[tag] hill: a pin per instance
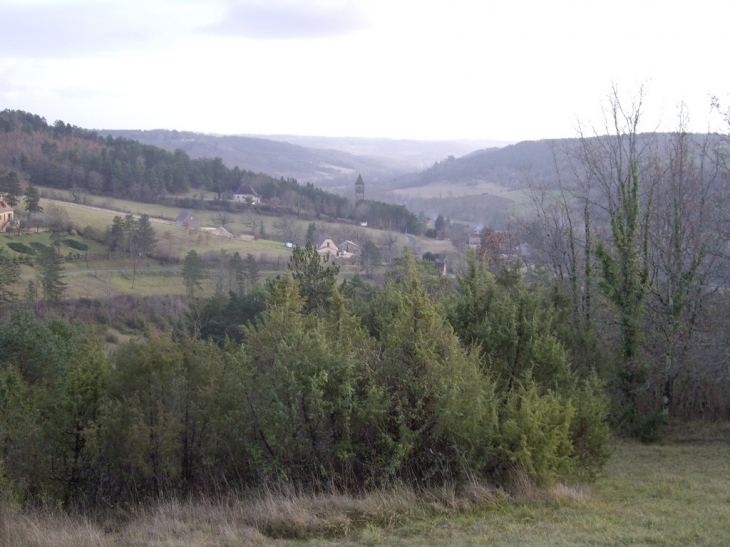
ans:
(66, 157)
(418, 154)
(326, 167)
(507, 166)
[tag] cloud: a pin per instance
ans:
(282, 20)
(56, 31)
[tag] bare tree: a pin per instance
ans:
(253, 222)
(222, 219)
(688, 240)
(288, 229)
(388, 242)
(647, 213)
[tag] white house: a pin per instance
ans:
(246, 194)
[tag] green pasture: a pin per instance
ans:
(671, 494)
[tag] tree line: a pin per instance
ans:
(68, 157)
(634, 229)
(321, 384)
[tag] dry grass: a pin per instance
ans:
(673, 494)
(51, 529)
(254, 519)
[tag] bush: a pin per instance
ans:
(534, 434)
(589, 429)
(78, 245)
(21, 248)
(38, 246)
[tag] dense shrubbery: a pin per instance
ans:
(371, 387)
(78, 245)
(21, 248)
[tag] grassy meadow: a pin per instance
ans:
(106, 276)
(676, 493)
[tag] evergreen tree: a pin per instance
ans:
(193, 272)
(439, 407)
(312, 232)
(370, 257)
(440, 224)
(10, 187)
(238, 273)
(114, 236)
(316, 278)
(251, 269)
(32, 201)
(146, 235)
(30, 297)
(9, 276)
(50, 277)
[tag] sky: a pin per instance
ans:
(423, 69)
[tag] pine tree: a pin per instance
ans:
(238, 273)
(193, 272)
(315, 276)
(30, 297)
(32, 201)
(10, 188)
(50, 275)
(115, 234)
(311, 232)
(146, 235)
(9, 275)
(251, 269)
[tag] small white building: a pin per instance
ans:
(246, 194)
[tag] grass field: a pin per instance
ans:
(447, 189)
(672, 494)
(99, 220)
(175, 242)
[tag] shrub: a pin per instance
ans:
(589, 429)
(534, 433)
(74, 244)
(21, 248)
(38, 246)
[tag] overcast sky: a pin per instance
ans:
(423, 69)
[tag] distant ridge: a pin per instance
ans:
(277, 158)
(421, 153)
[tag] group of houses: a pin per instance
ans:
(346, 249)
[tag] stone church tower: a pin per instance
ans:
(359, 189)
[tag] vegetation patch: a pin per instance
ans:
(21, 248)
(38, 246)
(74, 244)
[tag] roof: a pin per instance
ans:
(359, 181)
(246, 190)
(184, 214)
(348, 243)
(322, 239)
(4, 207)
